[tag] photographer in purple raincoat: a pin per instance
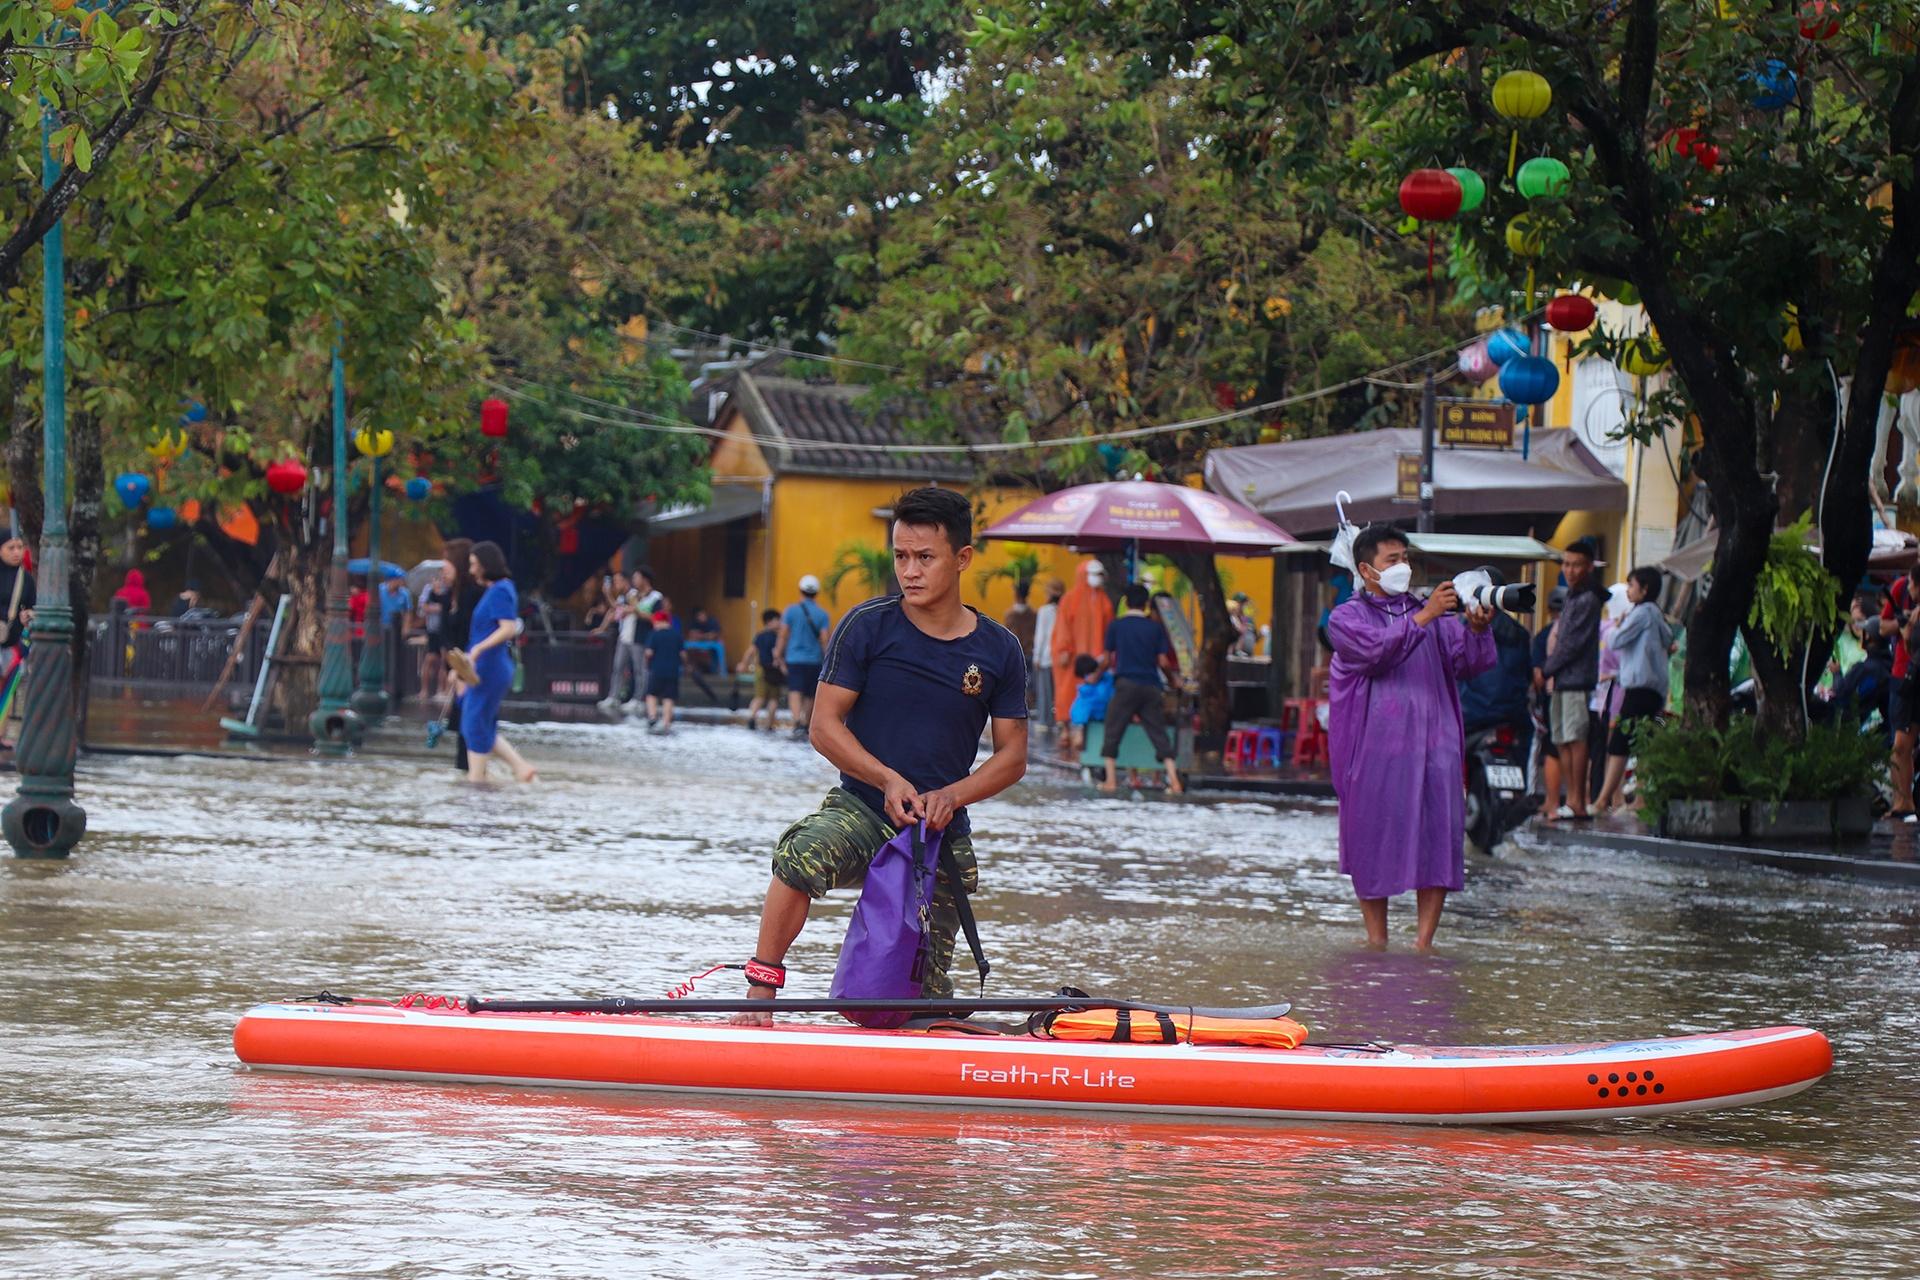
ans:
(1394, 730)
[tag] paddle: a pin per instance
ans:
(952, 1007)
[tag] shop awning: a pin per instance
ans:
(730, 502)
(1293, 484)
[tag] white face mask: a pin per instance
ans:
(1395, 579)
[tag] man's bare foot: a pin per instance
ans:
(754, 1019)
(1108, 788)
(528, 774)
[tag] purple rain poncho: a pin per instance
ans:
(1395, 738)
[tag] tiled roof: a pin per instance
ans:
(780, 408)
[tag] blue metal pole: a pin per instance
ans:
(335, 725)
(370, 699)
(42, 821)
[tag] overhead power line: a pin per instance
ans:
(643, 420)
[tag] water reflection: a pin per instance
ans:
(134, 1146)
(1394, 997)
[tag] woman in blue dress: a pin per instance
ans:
(495, 625)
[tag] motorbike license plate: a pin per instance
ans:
(1506, 777)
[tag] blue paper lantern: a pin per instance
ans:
(1507, 344)
(418, 488)
(132, 488)
(1529, 380)
(196, 412)
(161, 518)
(1774, 85)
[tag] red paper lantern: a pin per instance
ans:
(1820, 19)
(1706, 155)
(286, 477)
(1571, 313)
(1431, 195)
(493, 418)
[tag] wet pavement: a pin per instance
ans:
(135, 1146)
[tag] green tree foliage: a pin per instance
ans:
(557, 267)
(94, 73)
(1808, 202)
(1795, 597)
(737, 85)
(1066, 253)
(378, 174)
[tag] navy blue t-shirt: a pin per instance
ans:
(923, 702)
(663, 650)
(1136, 643)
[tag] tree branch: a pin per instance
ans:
(53, 203)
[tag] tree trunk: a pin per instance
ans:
(304, 562)
(84, 517)
(1744, 504)
(23, 458)
(1745, 513)
(1215, 642)
(1779, 693)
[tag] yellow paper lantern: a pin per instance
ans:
(1523, 237)
(1644, 357)
(373, 444)
(1793, 339)
(167, 444)
(1521, 95)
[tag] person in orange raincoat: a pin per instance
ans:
(1079, 627)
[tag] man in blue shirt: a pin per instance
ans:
(396, 602)
(1138, 648)
(800, 651)
(908, 684)
(664, 644)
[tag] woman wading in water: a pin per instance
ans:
(494, 627)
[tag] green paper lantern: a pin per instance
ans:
(1407, 225)
(1473, 189)
(1542, 176)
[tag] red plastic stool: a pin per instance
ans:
(1310, 742)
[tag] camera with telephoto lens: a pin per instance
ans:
(1481, 589)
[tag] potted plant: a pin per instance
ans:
(1842, 766)
(1769, 770)
(1683, 778)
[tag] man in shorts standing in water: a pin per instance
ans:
(801, 649)
(908, 683)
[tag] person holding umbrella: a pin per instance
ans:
(1138, 649)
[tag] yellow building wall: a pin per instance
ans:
(812, 517)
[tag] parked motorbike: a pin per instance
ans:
(1498, 800)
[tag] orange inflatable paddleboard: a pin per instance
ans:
(1489, 1085)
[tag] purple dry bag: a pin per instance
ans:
(889, 942)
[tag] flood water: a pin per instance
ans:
(133, 1144)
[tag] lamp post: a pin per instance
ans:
(42, 821)
(370, 699)
(336, 726)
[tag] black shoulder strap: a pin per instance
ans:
(951, 867)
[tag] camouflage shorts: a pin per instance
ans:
(830, 849)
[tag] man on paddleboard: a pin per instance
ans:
(1395, 735)
(907, 684)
